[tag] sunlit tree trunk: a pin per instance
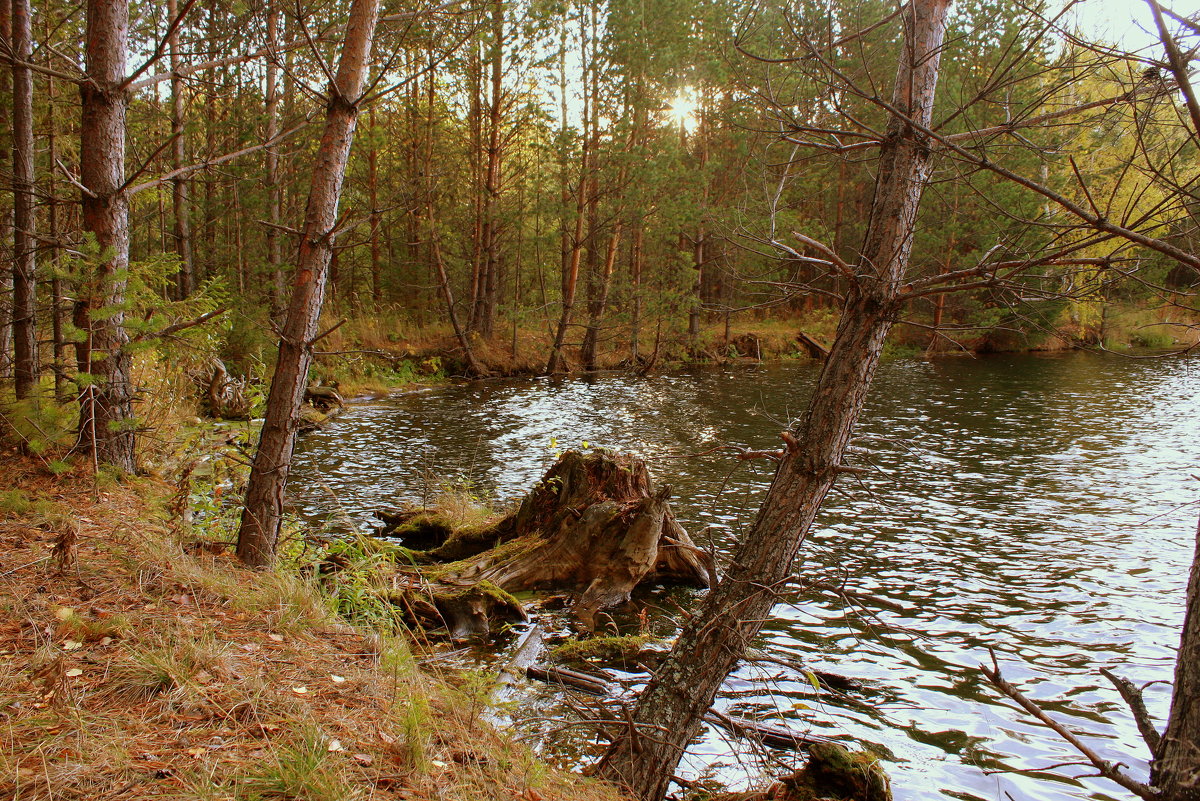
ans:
(668, 714)
(106, 406)
(24, 265)
(263, 512)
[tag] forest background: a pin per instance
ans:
(539, 187)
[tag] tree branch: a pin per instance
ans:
(204, 165)
(1133, 697)
(1107, 769)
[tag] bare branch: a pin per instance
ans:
(1107, 769)
(175, 328)
(1133, 697)
(204, 165)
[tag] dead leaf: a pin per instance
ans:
(335, 746)
(73, 672)
(300, 690)
(336, 679)
(276, 637)
(363, 759)
(72, 645)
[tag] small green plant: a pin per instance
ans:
(414, 725)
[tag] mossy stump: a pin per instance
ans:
(594, 525)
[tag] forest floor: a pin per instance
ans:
(138, 662)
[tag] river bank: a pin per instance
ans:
(140, 660)
(377, 353)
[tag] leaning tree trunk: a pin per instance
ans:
(25, 355)
(106, 406)
(669, 712)
(1176, 770)
(263, 513)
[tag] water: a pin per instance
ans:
(1037, 506)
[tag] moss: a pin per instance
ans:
(422, 531)
(457, 552)
(609, 650)
(834, 771)
(483, 588)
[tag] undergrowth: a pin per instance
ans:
(148, 663)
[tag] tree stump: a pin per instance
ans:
(593, 525)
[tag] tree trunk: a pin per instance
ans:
(5, 209)
(435, 243)
(712, 641)
(53, 232)
(106, 407)
(572, 232)
(1176, 768)
(261, 518)
(490, 231)
(373, 196)
(635, 289)
(24, 270)
(185, 280)
(599, 303)
(274, 190)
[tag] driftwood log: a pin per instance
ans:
(593, 526)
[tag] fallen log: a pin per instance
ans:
(815, 349)
(529, 646)
(594, 525)
(565, 677)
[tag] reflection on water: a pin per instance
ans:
(1033, 505)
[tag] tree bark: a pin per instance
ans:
(24, 269)
(5, 209)
(712, 642)
(1176, 768)
(106, 406)
(263, 512)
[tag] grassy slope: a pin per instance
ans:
(131, 668)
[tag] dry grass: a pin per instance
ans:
(144, 671)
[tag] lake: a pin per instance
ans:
(1040, 506)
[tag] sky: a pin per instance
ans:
(1126, 22)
